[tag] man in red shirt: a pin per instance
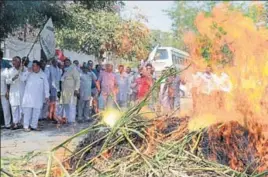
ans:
(143, 84)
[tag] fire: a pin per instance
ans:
(111, 116)
(246, 53)
(231, 43)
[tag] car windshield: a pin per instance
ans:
(161, 54)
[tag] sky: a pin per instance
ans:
(153, 10)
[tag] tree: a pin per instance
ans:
(131, 40)
(183, 14)
(256, 12)
(93, 31)
(15, 14)
(266, 12)
(95, 5)
(162, 38)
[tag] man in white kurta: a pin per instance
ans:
(16, 92)
(70, 84)
(4, 96)
(36, 91)
(86, 78)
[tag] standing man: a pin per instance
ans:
(36, 91)
(108, 87)
(45, 107)
(173, 86)
(133, 86)
(4, 91)
(130, 80)
(94, 89)
(150, 70)
(86, 79)
(54, 81)
(143, 84)
(70, 84)
(76, 63)
(16, 90)
(152, 77)
(60, 117)
(90, 63)
(123, 86)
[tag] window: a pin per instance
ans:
(161, 54)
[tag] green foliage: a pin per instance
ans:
(163, 38)
(90, 31)
(86, 30)
(227, 54)
(252, 13)
(266, 13)
(95, 5)
(183, 15)
(15, 14)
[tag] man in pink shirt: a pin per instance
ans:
(108, 87)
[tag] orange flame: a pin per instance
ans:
(231, 43)
(246, 54)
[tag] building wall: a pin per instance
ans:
(13, 47)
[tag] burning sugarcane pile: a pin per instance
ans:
(132, 144)
(223, 137)
(129, 144)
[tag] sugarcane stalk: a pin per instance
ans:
(60, 164)
(49, 164)
(92, 128)
(134, 147)
(197, 142)
(7, 173)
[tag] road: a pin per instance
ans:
(18, 143)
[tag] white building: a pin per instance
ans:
(13, 47)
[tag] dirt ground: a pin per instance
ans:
(18, 143)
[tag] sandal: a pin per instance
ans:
(15, 127)
(36, 129)
(27, 129)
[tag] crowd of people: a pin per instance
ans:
(66, 92)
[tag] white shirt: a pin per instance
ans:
(208, 83)
(224, 83)
(85, 84)
(4, 74)
(36, 89)
(78, 69)
(16, 87)
(123, 86)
